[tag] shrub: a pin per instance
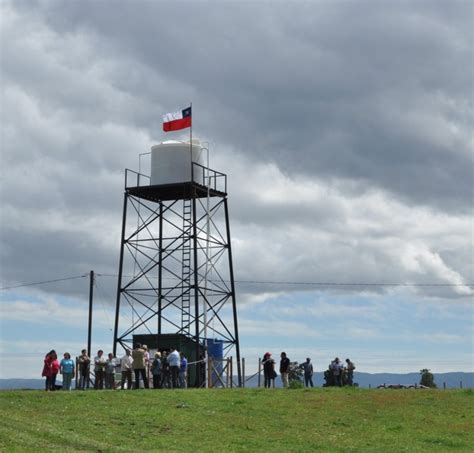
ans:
(427, 378)
(295, 384)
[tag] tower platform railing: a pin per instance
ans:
(135, 179)
(208, 177)
(200, 175)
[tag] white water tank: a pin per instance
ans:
(171, 161)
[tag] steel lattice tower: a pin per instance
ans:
(175, 270)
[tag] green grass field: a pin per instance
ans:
(238, 420)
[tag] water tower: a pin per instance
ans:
(176, 281)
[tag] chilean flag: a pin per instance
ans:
(177, 120)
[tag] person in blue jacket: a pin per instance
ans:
(67, 369)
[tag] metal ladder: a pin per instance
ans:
(186, 268)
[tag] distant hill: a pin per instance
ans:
(367, 380)
(20, 384)
(452, 380)
(364, 380)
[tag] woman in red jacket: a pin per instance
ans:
(48, 368)
(55, 366)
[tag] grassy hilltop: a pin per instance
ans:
(238, 420)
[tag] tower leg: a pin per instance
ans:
(196, 295)
(232, 286)
(119, 282)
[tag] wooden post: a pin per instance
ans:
(77, 372)
(444, 385)
(460, 384)
(259, 370)
(243, 371)
(210, 384)
(231, 373)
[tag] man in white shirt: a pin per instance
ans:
(126, 363)
(174, 361)
(99, 369)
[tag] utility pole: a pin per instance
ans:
(91, 296)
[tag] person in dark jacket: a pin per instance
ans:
(84, 368)
(165, 371)
(284, 368)
(269, 373)
(48, 369)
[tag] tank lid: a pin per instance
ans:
(195, 141)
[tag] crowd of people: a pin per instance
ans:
(340, 374)
(167, 369)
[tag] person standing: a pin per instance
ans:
(54, 371)
(269, 372)
(165, 371)
(47, 369)
(110, 366)
(126, 363)
(336, 368)
(99, 370)
(67, 368)
(308, 372)
(84, 367)
(183, 372)
(147, 361)
(173, 360)
(350, 367)
(138, 355)
(284, 368)
(156, 370)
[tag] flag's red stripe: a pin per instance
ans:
(176, 125)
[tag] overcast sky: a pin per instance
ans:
(345, 129)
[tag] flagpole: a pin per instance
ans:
(191, 142)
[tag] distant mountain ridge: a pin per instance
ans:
(365, 380)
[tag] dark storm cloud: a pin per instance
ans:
(357, 103)
(360, 90)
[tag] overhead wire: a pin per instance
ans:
(295, 283)
(269, 282)
(22, 285)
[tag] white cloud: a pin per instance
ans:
(332, 178)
